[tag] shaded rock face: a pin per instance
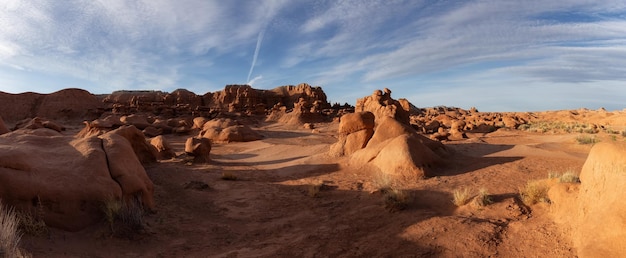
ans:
(63, 105)
(595, 211)
(3, 127)
(163, 148)
(69, 179)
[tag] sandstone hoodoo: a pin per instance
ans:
(382, 137)
(199, 148)
(228, 130)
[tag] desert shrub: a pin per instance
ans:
(32, 223)
(229, 176)
(314, 189)
(396, 199)
(461, 196)
(483, 198)
(624, 133)
(569, 177)
(9, 235)
(534, 192)
(111, 208)
(611, 131)
(584, 139)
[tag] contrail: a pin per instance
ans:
(259, 39)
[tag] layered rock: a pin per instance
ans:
(68, 179)
(594, 211)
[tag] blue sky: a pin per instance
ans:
(495, 55)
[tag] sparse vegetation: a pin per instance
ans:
(111, 208)
(9, 235)
(396, 199)
(534, 192)
(483, 198)
(585, 139)
(461, 196)
(32, 223)
(314, 189)
(557, 127)
(229, 176)
(569, 177)
(624, 133)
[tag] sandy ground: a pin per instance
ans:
(269, 210)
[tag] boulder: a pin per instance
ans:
(228, 130)
(139, 121)
(594, 212)
(199, 148)
(69, 179)
(355, 131)
(152, 131)
(143, 150)
(164, 150)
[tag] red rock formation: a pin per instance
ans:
(63, 105)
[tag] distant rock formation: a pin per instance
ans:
(63, 105)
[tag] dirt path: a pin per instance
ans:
(274, 210)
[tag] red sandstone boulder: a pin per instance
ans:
(69, 179)
(163, 148)
(228, 130)
(199, 148)
(355, 131)
(145, 152)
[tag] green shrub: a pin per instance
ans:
(584, 139)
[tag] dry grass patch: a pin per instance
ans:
(396, 199)
(229, 176)
(461, 196)
(534, 192)
(483, 198)
(585, 139)
(9, 235)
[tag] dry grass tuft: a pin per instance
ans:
(396, 199)
(9, 235)
(461, 196)
(483, 198)
(569, 177)
(534, 192)
(584, 139)
(229, 176)
(32, 223)
(314, 190)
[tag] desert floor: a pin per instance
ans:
(273, 208)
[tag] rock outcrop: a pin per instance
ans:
(594, 212)
(228, 130)
(163, 148)
(69, 179)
